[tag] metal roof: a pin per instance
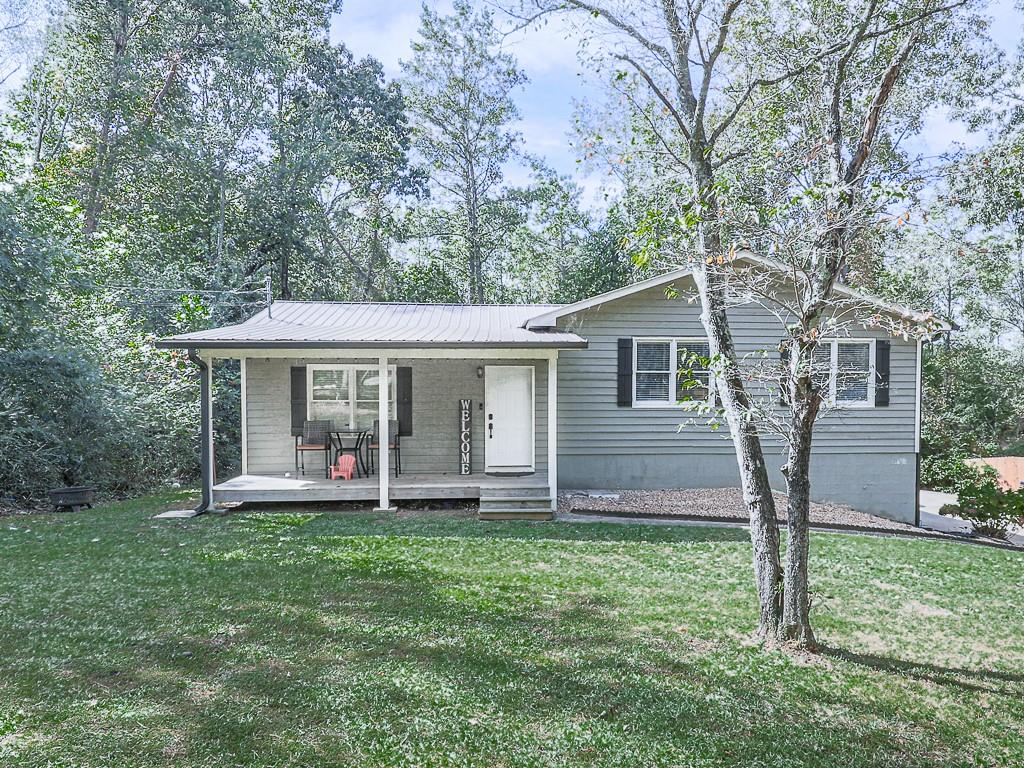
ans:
(307, 324)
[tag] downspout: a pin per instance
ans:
(204, 431)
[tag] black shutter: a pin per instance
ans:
(625, 374)
(784, 375)
(882, 349)
(298, 398)
(403, 400)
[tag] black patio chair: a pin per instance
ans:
(394, 444)
(316, 436)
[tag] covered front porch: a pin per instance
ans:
(525, 496)
(471, 424)
(466, 393)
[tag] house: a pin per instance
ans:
(510, 404)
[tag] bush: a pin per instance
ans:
(991, 510)
(951, 472)
(124, 424)
(54, 424)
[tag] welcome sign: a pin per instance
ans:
(465, 437)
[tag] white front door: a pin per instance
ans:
(508, 428)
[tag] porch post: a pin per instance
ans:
(553, 429)
(383, 436)
(206, 458)
(243, 407)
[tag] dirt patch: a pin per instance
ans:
(8, 508)
(714, 504)
(923, 609)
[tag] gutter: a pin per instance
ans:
(205, 435)
(172, 343)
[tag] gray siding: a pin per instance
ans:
(862, 456)
(437, 387)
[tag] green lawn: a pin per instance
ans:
(339, 639)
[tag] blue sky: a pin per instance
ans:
(383, 29)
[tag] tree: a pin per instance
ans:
(692, 75)
(460, 87)
(158, 161)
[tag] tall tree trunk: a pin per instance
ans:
(221, 204)
(805, 402)
(474, 253)
(757, 492)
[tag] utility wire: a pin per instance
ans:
(142, 289)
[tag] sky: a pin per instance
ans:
(383, 29)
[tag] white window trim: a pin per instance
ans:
(673, 342)
(833, 372)
(351, 368)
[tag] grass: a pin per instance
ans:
(344, 639)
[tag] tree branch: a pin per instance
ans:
(881, 97)
(657, 92)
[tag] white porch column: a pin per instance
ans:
(553, 429)
(244, 417)
(209, 431)
(207, 461)
(383, 435)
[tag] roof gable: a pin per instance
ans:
(550, 318)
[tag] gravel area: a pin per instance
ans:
(713, 503)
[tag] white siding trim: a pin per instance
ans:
(552, 446)
(413, 353)
(917, 398)
(245, 417)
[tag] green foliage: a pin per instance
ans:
(460, 88)
(974, 395)
(951, 472)
(60, 424)
(601, 263)
(991, 509)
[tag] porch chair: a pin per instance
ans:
(316, 436)
(343, 467)
(394, 444)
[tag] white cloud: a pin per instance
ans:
(549, 48)
(382, 29)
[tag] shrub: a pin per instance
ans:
(991, 510)
(55, 423)
(950, 472)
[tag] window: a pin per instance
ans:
(669, 371)
(347, 394)
(843, 370)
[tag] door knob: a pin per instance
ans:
(490, 429)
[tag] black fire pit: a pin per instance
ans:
(73, 497)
